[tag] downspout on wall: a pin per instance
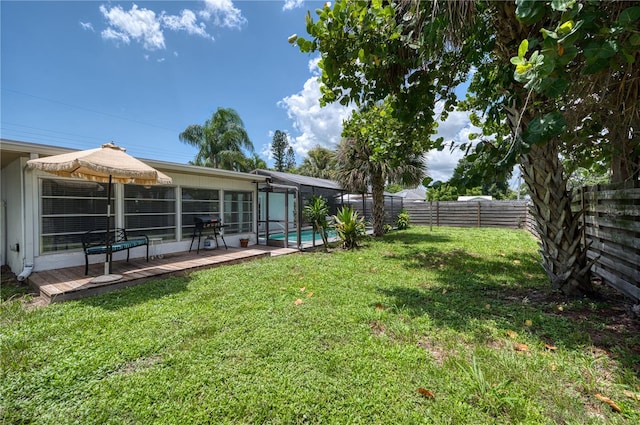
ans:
(3, 230)
(27, 260)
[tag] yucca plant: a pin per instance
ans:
(350, 227)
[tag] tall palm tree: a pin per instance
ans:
(319, 163)
(220, 140)
(357, 171)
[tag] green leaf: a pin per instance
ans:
(566, 28)
(553, 87)
(546, 33)
(529, 11)
(630, 16)
(595, 50)
(522, 49)
(562, 5)
(541, 130)
(569, 53)
(573, 35)
(630, 58)
(596, 66)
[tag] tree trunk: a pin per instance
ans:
(377, 192)
(563, 257)
(323, 234)
(625, 155)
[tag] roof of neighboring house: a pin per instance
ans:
(297, 179)
(475, 198)
(417, 194)
(12, 150)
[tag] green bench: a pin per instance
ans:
(94, 243)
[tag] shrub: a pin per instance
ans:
(402, 222)
(349, 226)
(316, 212)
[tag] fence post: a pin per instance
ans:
(478, 214)
(583, 230)
(431, 216)
(438, 213)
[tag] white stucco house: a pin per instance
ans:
(42, 217)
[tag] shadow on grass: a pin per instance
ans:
(140, 294)
(462, 288)
(409, 237)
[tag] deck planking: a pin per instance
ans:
(70, 283)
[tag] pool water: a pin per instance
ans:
(305, 236)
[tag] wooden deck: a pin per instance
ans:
(71, 283)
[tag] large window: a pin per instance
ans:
(238, 212)
(68, 209)
(150, 210)
(198, 202)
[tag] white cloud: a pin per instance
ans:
(440, 164)
(323, 126)
(111, 34)
(138, 24)
(455, 130)
(187, 21)
(87, 26)
(146, 27)
(223, 13)
(316, 125)
(292, 4)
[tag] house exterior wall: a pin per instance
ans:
(21, 204)
(48, 261)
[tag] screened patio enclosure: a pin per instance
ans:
(280, 204)
(282, 198)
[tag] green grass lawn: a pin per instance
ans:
(450, 326)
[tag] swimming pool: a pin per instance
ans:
(305, 236)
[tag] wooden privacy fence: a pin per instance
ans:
(611, 218)
(610, 215)
(510, 214)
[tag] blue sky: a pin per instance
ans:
(81, 73)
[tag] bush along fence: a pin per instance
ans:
(611, 218)
(510, 214)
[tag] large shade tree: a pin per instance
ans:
(377, 149)
(221, 140)
(419, 51)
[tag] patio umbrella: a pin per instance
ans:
(107, 164)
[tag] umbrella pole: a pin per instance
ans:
(107, 276)
(107, 260)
